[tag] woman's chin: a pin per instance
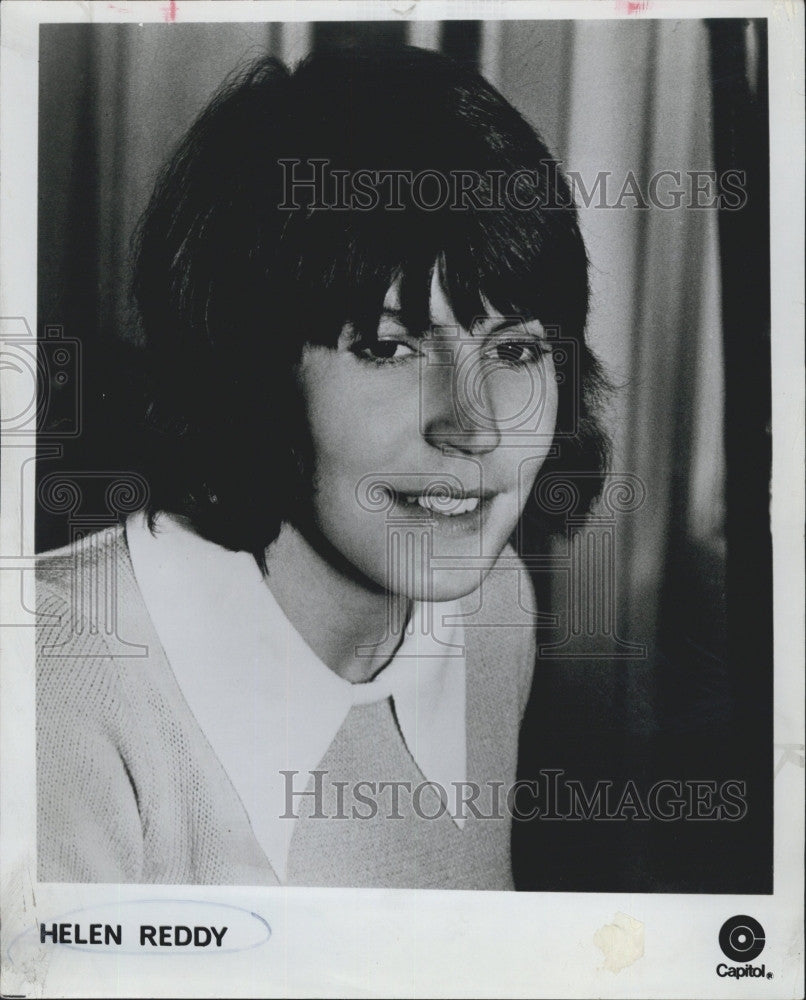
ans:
(440, 586)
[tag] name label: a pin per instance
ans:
(149, 935)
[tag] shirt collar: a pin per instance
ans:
(263, 699)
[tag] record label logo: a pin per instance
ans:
(741, 938)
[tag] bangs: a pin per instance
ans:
(527, 264)
(414, 113)
(224, 251)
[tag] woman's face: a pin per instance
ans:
(425, 449)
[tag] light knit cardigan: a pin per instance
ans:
(129, 789)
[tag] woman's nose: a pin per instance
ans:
(457, 411)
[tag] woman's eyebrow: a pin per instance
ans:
(476, 327)
(527, 325)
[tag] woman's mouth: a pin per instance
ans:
(448, 511)
(447, 506)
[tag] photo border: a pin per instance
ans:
(336, 942)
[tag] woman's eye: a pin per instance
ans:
(516, 352)
(385, 350)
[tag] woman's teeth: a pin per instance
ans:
(447, 506)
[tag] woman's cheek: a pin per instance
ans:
(357, 412)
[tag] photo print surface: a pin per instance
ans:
(432, 322)
(402, 499)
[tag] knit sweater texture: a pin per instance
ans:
(129, 789)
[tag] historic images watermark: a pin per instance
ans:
(526, 360)
(315, 184)
(44, 410)
(553, 796)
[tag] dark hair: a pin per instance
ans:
(230, 285)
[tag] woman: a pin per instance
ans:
(353, 281)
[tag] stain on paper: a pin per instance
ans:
(791, 753)
(24, 965)
(632, 6)
(621, 942)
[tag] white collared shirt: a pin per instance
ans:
(263, 699)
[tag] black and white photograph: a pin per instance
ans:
(402, 499)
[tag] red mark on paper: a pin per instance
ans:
(169, 11)
(120, 10)
(632, 6)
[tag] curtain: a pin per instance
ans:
(619, 98)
